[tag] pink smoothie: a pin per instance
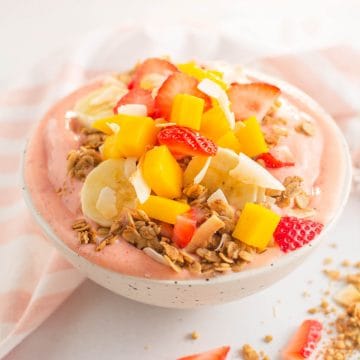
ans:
(319, 160)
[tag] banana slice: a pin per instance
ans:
(99, 104)
(104, 184)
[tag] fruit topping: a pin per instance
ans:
(139, 97)
(271, 162)
(215, 354)
(304, 341)
(229, 141)
(184, 229)
(256, 226)
(214, 123)
(177, 83)
(151, 66)
(162, 172)
(293, 233)
(187, 111)
(251, 137)
(254, 99)
(163, 209)
(184, 141)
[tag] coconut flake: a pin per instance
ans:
(213, 90)
(129, 166)
(132, 109)
(155, 255)
(142, 189)
(115, 128)
(217, 195)
(71, 115)
(165, 124)
(201, 174)
(106, 203)
(249, 171)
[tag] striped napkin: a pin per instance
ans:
(37, 279)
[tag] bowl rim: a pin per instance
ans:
(278, 263)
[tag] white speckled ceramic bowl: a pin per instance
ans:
(199, 292)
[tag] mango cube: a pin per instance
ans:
(103, 124)
(187, 111)
(198, 73)
(162, 172)
(256, 225)
(164, 209)
(251, 137)
(109, 149)
(214, 123)
(136, 133)
(229, 141)
(194, 167)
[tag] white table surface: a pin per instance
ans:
(94, 323)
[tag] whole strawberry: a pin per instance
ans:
(293, 233)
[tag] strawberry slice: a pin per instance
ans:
(151, 66)
(215, 354)
(293, 233)
(253, 99)
(271, 162)
(177, 83)
(304, 341)
(137, 96)
(183, 141)
(184, 229)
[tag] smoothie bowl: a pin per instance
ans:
(183, 185)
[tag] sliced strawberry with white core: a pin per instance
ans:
(254, 99)
(215, 354)
(151, 66)
(304, 341)
(213, 90)
(250, 172)
(137, 96)
(177, 83)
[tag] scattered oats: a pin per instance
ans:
(249, 353)
(324, 304)
(353, 279)
(80, 225)
(332, 274)
(306, 294)
(268, 338)
(80, 162)
(102, 231)
(345, 263)
(313, 311)
(327, 261)
(175, 267)
(302, 200)
(195, 335)
(246, 256)
(306, 127)
(348, 295)
(333, 245)
(357, 265)
(101, 246)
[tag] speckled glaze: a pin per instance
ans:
(190, 293)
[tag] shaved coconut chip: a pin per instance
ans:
(153, 80)
(71, 115)
(115, 128)
(105, 96)
(201, 174)
(261, 197)
(224, 159)
(155, 255)
(165, 124)
(132, 109)
(129, 166)
(142, 189)
(249, 171)
(217, 195)
(213, 90)
(106, 203)
(283, 153)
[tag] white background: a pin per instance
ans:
(94, 323)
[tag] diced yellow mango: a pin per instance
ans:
(217, 73)
(193, 168)
(162, 172)
(251, 137)
(256, 225)
(198, 73)
(164, 209)
(187, 111)
(214, 123)
(229, 141)
(102, 124)
(109, 149)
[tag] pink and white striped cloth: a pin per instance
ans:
(35, 278)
